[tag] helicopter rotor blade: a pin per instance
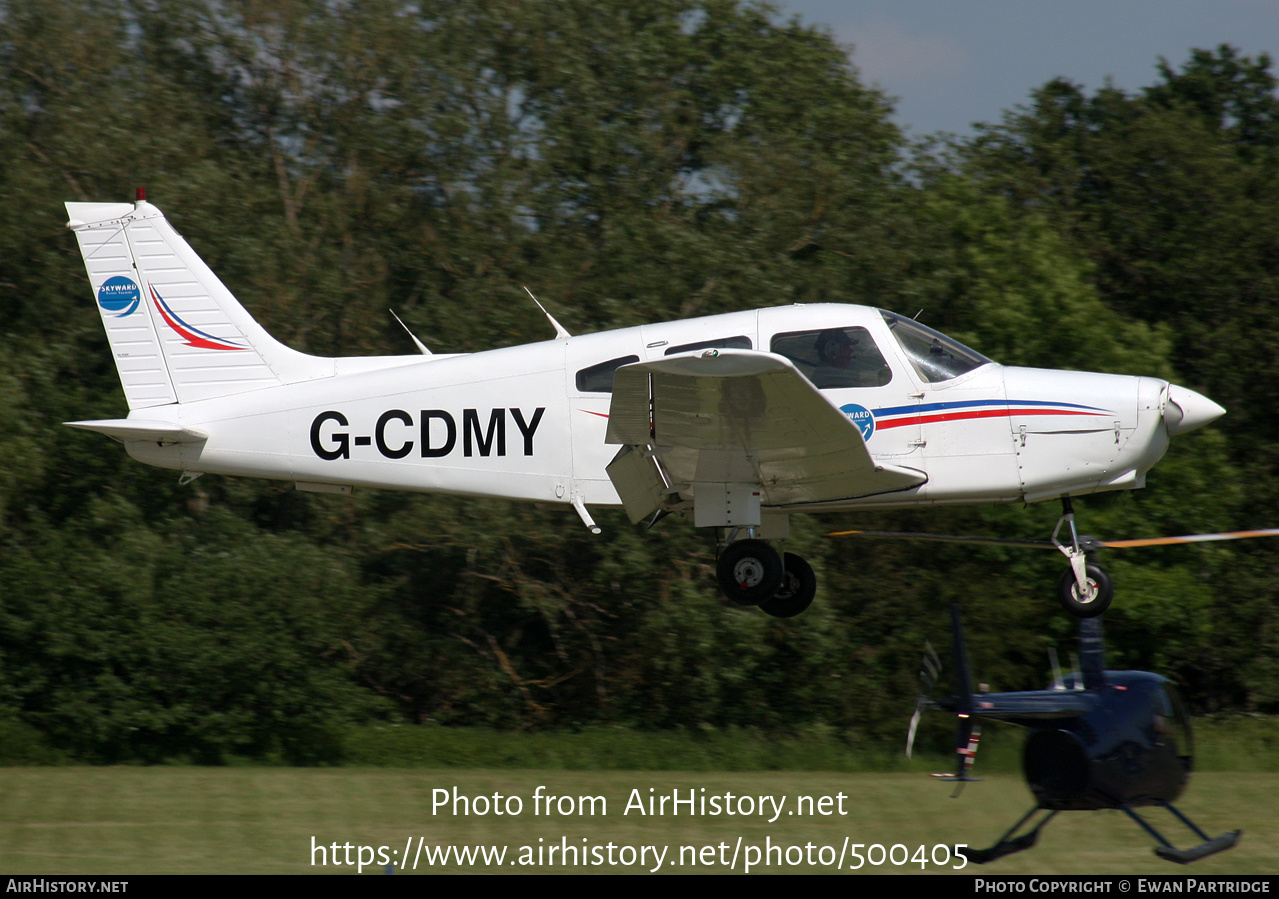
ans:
(944, 538)
(1087, 543)
(1191, 538)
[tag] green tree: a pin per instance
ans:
(629, 163)
(1169, 193)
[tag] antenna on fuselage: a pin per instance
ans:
(559, 329)
(420, 345)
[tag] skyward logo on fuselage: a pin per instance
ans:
(119, 296)
(860, 416)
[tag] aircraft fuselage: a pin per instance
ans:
(525, 423)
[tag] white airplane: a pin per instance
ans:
(737, 420)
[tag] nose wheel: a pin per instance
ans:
(1095, 597)
(1085, 589)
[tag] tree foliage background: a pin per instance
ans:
(632, 162)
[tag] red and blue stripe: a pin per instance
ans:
(193, 336)
(931, 413)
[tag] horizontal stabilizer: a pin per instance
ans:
(177, 334)
(126, 429)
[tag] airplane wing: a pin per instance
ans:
(737, 417)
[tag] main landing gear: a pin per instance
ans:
(752, 573)
(1085, 589)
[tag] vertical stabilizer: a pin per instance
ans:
(176, 333)
(966, 729)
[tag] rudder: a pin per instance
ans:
(176, 333)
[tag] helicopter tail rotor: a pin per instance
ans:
(929, 671)
(967, 731)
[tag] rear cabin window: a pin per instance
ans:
(599, 378)
(724, 343)
(835, 357)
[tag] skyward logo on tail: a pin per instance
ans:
(119, 296)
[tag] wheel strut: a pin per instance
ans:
(1074, 552)
(1085, 590)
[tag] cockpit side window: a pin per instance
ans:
(835, 357)
(1172, 723)
(934, 356)
(723, 343)
(598, 378)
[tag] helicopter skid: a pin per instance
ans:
(1169, 852)
(1006, 846)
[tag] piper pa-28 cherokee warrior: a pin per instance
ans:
(738, 420)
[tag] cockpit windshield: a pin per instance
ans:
(1172, 723)
(934, 356)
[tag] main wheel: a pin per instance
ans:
(749, 572)
(799, 586)
(1101, 592)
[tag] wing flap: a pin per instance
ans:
(747, 417)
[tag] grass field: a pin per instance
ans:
(186, 820)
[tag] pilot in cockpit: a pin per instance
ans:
(835, 350)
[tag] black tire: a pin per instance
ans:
(1068, 592)
(799, 586)
(749, 572)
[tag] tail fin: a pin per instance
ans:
(176, 333)
(967, 731)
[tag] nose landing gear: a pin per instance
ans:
(1085, 589)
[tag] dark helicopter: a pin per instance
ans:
(1099, 740)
